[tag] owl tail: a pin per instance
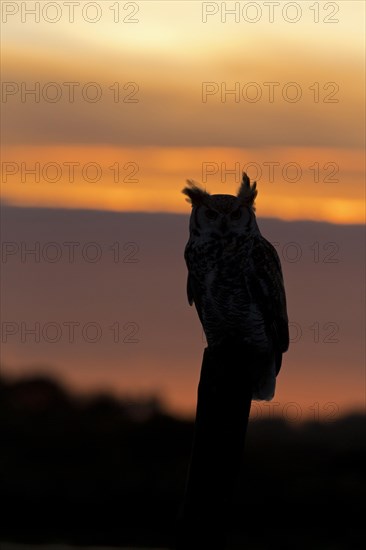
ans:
(264, 390)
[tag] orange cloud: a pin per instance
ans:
(294, 183)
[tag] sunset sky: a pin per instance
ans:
(295, 121)
(132, 98)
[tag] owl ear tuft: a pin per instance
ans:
(247, 192)
(196, 195)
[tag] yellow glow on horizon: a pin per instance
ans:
(150, 179)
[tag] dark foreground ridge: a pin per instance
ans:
(102, 471)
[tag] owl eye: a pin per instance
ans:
(236, 215)
(211, 214)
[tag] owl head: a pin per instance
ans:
(222, 214)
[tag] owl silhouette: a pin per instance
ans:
(235, 281)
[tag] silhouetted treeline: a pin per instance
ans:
(104, 471)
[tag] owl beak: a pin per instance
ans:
(223, 225)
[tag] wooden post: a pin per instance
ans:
(223, 405)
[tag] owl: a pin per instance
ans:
(235, 281)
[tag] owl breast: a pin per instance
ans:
(224, 270)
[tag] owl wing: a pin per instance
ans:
(190, 291)
(268, 291)
(194, 290)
